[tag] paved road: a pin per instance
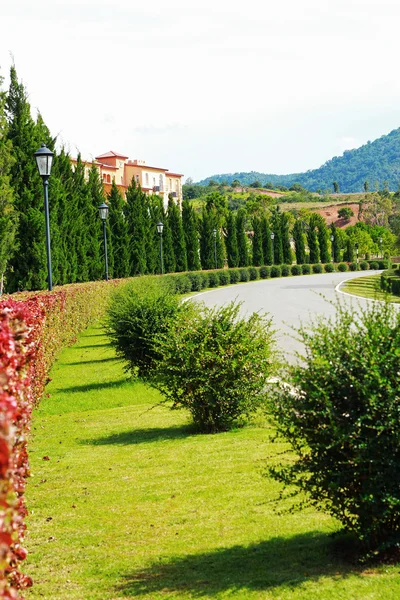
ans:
(288, 300)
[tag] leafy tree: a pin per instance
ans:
(236, 183)
(345, 213)
(266, 241)
(298, 236)
(119, 232)
(189, 223)
(178, 237)
(258, 258)
(366, 186)
(336, 187)
(242, 239)
(231, 241)
(255, 184)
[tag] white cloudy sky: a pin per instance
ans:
(209, 86)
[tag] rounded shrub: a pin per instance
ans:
(296, 269)
(213, 279)
(285, 270)
(340, 415)
(183, 285)
(275, 271)
(204, 280)
(364, 265)
(195, 281)
(224, 278)
(329, 268)
(244, 274)
(374, 265)
(216, 365)
(305, 269)
(342, 267)
(254, 273)
(383, 264)
(234, 275)
(265, 272)
(317, 268)
(353, 266)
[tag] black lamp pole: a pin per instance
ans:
(333, 247)
(380, 246)
(215, 247)
(44, 159)
(160, 227)
(103, 213)
(356, 245)
(272, 240)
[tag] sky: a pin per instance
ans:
(211, 86)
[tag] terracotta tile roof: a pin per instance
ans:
(111, 154)
(169, 173)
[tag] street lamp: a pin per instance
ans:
(356, 247)
(380, 245)
(103, 213)
(44, 160)
(272, 240)
(215, 247)
(160, 227)
(333, 247)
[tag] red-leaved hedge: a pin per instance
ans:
(34, 327)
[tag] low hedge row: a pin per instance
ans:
(34, 327)
(390, 281)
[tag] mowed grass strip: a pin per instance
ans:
(368, 287)
(127, 501)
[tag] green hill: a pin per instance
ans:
(375, 162)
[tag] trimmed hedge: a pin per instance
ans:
(353, 266)
(254, 273)
(296, 269)
(275, 271)
(342, 267)
(285, 270)
(305, 269)
(317, 268)
(265, 272)
(364, 265)
(329, 268)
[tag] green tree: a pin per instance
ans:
(257, 248)
(168, 246)
(178, 236)
(313, 242)
(298, 236)
(207, 240)
(243, 250)
(119, 232)
(231, 241)
(276, 224)
(286, 248)
(345, 213)
(335, 244)
(323, 239)
(349, 250)
(190, 228)
(336, 187)
(266, 241)
(96, 246)
(366, 186)
(136, 220)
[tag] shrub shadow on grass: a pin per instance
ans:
(145, 436)
(79, 347)
(87, 387)
(92, 362)
(285, 562)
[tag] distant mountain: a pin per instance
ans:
(377, 161)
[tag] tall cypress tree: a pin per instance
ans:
(276, 223)
(134, 212)
(154, 214)
(231, 241)
(189, 223)
(323, 239)
(27, 268)
(243, 251)
(96, 246)
(207, 240)
(8, 215)
(85, 218)
(313, 241)
(178, 237)
(266, 241)
(335, 246)
(349, 250)
(258, 258)
(118, 232)
(298, 236)
(286, 248)
(168, 247)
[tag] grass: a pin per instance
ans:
(368, 287)
(127, 501)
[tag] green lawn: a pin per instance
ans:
(133, 504)
(368, 287)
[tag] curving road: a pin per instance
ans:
(289, 301)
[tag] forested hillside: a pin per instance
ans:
(377, 163)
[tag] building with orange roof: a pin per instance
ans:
(113, 166)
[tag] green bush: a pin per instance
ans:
(364, 265)
(234, 275)
(137, 312)
(285, 270)
(204, 279)
(384, 264)
(374, 265)
(216, 365)
(306, 269)
(213, 279)
(296, 269)
(340, 413)
(353, 266)
(275, 271)
(342, 267)
(254, 273)
(224, 278)
(329, 268)
(317, 268)
(244, 274)
(265, 272)
(396, 286)
(182, 283)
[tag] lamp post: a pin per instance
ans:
(160, 227)
(333, 247)
(380, 246)
(215, 247)
(44, 160)
(356, 247)
(103, 213)
(272, 240)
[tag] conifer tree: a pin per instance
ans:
(134, 212)
(231, 241)
(242, 244)
(189, 223)
(154, 212)
(286, 248)
(96, 246)
(313, 241)
(258, 258)
(322, 238)
(8, 215)
(118, 232)
(207, 240)
(266, 241)
(178, 237)
(168, 247)
(276, 224)
(298, 236)
(28, 267)
(85, 219)
(349, 251)
(335, 244)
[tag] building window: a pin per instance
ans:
(137, 179)
(108, 179)
(104, 177)
(147, 180)
(161, 183)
